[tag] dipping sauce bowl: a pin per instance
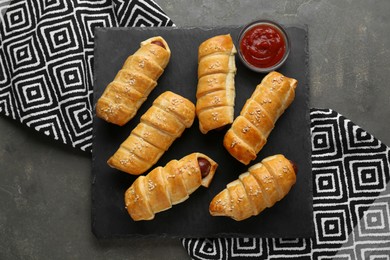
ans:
(263, 46)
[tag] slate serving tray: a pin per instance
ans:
(290, 218)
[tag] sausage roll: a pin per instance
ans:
(161, 124)
(215, 92)
(260, 187)
(138, 77)
(250, 130)
(169, 185)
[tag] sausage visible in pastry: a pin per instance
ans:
(138, 77)
(169, 185)
(161, 124)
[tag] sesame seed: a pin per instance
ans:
(246, 129)
(124, 161)
(111, 109)
(141, 64)
(216, 100)
(215, 65)
(151, 185)
(256, 193)
(132, 81)
(234, 142)
(215, 116)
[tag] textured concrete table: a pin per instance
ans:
(45, 187)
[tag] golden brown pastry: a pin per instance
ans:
(166, 186)
(250, 130)
(161, 124)
(138, 77)
(260, 187)
(215, 92)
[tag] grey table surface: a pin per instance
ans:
(45, 187)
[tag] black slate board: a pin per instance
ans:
(290, 218)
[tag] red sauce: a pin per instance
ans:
(263, 46)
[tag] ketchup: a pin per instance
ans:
(263, 46)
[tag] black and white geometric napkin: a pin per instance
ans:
(351, 201)
(46, 60)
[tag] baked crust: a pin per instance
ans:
(215, 91)
(133, 83)
(167, 186)
(160, 125)
(250, 130)
(263, 185)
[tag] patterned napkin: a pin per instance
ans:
(46, 60)
(351, 198)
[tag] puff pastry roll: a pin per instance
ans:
(169, 185)
(215, 91)
(259, 188)
(138, 77)
(161, 124)
(250, 130)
